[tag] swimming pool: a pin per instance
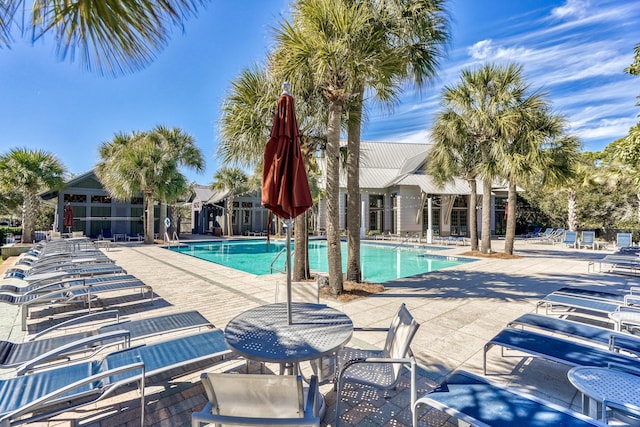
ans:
(380, 263)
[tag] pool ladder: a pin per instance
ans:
(271, 267)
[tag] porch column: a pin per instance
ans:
(429, 221)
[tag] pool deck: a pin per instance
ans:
(459, 309)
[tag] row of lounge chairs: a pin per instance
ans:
(60, 273)
(477, 401)
(55, 373)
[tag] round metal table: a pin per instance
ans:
(596, 384)
(263, 333)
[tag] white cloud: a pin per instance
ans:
(604, 128)
(571, 8)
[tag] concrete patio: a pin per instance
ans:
(459, 309)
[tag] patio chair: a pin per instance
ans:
(380, 368)
(623, 240)
(588, 239)
(94, 341)
(474, 400)
(43, 394)
(570, 238)
(248, 399)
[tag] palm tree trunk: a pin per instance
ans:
(485, 244)
(334, 253)
(473, 214)
(572, 216)
(354, 272)
(163, 214)
(28, 218)
(230, 216)
(149, 217)
(511, 219)
(301, 269)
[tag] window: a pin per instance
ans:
(75, 198)
(101, 199)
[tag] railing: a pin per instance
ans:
(271, 267)
(175, 239)
(403, 241)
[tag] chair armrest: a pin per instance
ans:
(86, 318)
(113, 337)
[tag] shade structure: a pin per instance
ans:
(68, 216)
(285, 186)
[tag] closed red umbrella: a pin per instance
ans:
(68, 216)
(285, 186)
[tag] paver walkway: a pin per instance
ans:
(459, 309)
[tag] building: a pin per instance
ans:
(399, 197)
(94, 211)
(209, 210)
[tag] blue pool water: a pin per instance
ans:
(380, 263)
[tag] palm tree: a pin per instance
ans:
(112, 36)
(481, 105)
(235, 181)
(148, 163)
(415, 34)
(521, 156)
(324, 46)
(455, 153)
(26, 172)
(245, 126)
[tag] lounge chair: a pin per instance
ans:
(53, 276)
(623, 240)
(479, 402)
(570, 238)
(16, 354)
(620, 263)
(544, 236)
(614, 340)
(246, 399)
(588, 240)
(593, 305)
(22, 288)
(568, 352)
(380, 368)
(22, 271)
(42, 394)
(69, 295)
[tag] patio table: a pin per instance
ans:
(263, 333)
(596, 384)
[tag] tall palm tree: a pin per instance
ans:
(324, 46)
(416, 32)
(27, 172)
(481, 104)
(148, 163)
(235, 181)
(523, 156)
(112, 36)
(245, 126)
(455, 153)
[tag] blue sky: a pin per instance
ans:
(575, 50)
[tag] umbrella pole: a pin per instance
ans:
(287, 225)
